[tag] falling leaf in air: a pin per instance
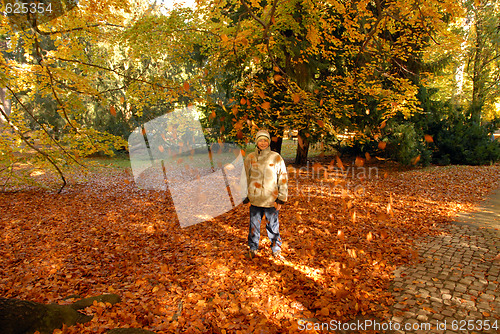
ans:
(359, 162)
(339, 162)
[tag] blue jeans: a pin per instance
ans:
(272, 227)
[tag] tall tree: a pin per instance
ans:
(338, 61)
(485, 55)
(470, 79)
(100, 55)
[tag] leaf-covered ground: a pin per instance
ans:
(344, 233)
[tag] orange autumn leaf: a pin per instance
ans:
(317, 167)
(266, 105)
(339, 162)
(359, 162)
(112, 110)
(428, 138)
(324, 311)
(212, 115)
(382, 145)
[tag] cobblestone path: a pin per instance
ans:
(455, 288)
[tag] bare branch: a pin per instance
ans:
(423, 23)
(48, 33)
(262, 23)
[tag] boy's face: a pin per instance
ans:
(262, 144)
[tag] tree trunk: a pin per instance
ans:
(478, 75)
(276, 145)
(302, 149)
(482, 56)
(26, 317)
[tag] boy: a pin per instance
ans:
(267, 190)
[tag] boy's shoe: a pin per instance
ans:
(252, 253)
(277, 255)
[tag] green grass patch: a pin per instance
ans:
(121, 161)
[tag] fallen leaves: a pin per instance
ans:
(106, 235)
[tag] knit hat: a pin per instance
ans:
(262, 134)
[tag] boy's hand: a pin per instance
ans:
(277, 206)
